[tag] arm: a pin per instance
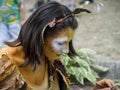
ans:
(105, 84)
(17, 57)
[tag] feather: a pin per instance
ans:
(50, 24)
(79, 10)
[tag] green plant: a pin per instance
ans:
(117, 82)
(83, 67)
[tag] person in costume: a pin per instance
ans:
(36, 53)
(12, 15)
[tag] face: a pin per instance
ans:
(58, 44)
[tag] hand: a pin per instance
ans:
(105, 84)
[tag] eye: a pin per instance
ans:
(59, 43)
(62, 43)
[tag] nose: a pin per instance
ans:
(65, 51)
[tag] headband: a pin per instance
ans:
(76, 11)
(54, 21)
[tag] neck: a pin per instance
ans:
(52, 60)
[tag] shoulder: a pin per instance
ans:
(11, 50)
(12, 53)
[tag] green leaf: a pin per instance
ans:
(78, 75)
(80, 79)
(86, 54)
(99, 68)
(65, 59)
(83, 71)
(91, 78)
(71, 70)
(82, 63)
(94, 73)
(87, 51)
(77, 71)
(117, 82)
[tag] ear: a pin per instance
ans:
(50, 24)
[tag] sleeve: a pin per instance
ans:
(9, 76)
(6, 65)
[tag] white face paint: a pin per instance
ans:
(59, 45)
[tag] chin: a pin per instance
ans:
(54, 58)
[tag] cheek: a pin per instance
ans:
(60, 48)
(56, 47)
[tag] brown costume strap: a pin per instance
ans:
(57, 65)
(51, 70)
(61, 67)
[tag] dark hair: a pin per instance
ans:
(30, 37)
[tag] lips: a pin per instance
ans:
(59, 54)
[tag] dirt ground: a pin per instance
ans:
(101, 31)
(97, 31)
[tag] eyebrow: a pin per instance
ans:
(61, 39)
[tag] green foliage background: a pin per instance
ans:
(83, 67)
